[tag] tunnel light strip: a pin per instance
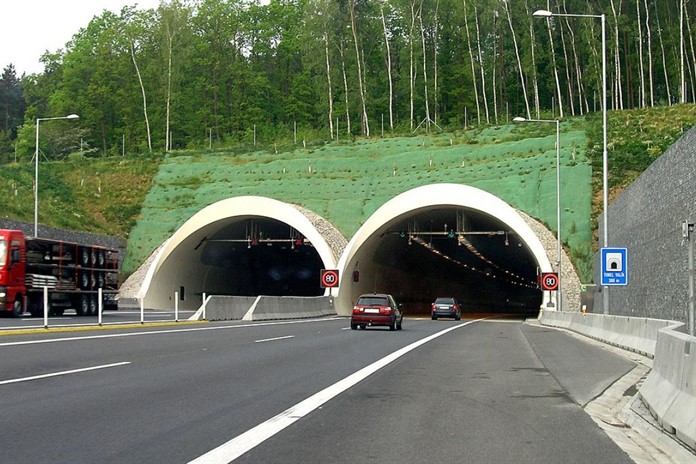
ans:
(430, 248)
(248, 440)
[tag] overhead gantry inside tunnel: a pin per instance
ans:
(437, 240)
(446, 240)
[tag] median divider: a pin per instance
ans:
(263, 308)
(669, 390)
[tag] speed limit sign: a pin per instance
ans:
(549, 281)
(329, 278)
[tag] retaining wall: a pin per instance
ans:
(669, 391)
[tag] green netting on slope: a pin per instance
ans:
(346, 183)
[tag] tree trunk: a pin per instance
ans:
(519, 61)
(328, 83)
(535, 78)
(345, 89)
(664, 56)
(481, 66)
(425, 72)
(618, 92)
(142, 89)
(559, 96)
(569, 79)
(651, 86)
(691, 66)
(389, 71)
(473, 65)
(435, 46)
(582, 97)
(412, 66)
(640, 55)
(358, 59)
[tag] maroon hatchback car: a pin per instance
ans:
(376, 309)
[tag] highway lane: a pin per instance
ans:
(479, 391)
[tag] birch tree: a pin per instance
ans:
(519, 60)
(358, 60)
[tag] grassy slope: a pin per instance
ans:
(348, 181)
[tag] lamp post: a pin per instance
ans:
(559, 293)
(605, 161)
(36, 169)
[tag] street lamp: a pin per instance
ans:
(36, 169)
(605, 161)
(559, 292)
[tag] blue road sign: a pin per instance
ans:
(614, 266)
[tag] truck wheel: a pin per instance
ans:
(93, 307)
(84, 280)
(85, 256)
(82, 308)
(17, 308)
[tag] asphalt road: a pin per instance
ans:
(485, 391)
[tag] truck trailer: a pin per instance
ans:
(72, 273)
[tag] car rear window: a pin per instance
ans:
(444, 301)
(373, 301)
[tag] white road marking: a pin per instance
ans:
(56, 374)
(160, 332)
(274, 339)
(239, 445)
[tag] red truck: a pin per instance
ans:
(73, 274)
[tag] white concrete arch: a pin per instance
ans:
(178, 263)
(425, 198)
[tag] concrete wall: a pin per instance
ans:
(646, 219)
(669, 391)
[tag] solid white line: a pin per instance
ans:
(161, 332)
(239, 445)
(274, 339)
(56, 374)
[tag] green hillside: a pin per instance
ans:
(345, 183)
(145, 198)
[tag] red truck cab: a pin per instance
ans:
(12, 272)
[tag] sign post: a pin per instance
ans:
(329, 279)
(550, 283)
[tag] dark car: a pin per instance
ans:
(446, 307)
(376, 309)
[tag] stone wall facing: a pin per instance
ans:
(647, 220)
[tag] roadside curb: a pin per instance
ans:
(86, 328)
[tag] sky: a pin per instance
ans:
(30, 27)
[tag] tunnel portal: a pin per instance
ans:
(455, 253)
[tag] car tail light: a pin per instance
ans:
(385, 310)
(432, 306)
(357, 309)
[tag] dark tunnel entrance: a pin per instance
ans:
(468, 255)
(261, 256)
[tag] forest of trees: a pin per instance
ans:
(211, 72)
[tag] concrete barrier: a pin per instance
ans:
(226, 308)
(263, 308)
(669, 391)
(291, 307)
(637, 334)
